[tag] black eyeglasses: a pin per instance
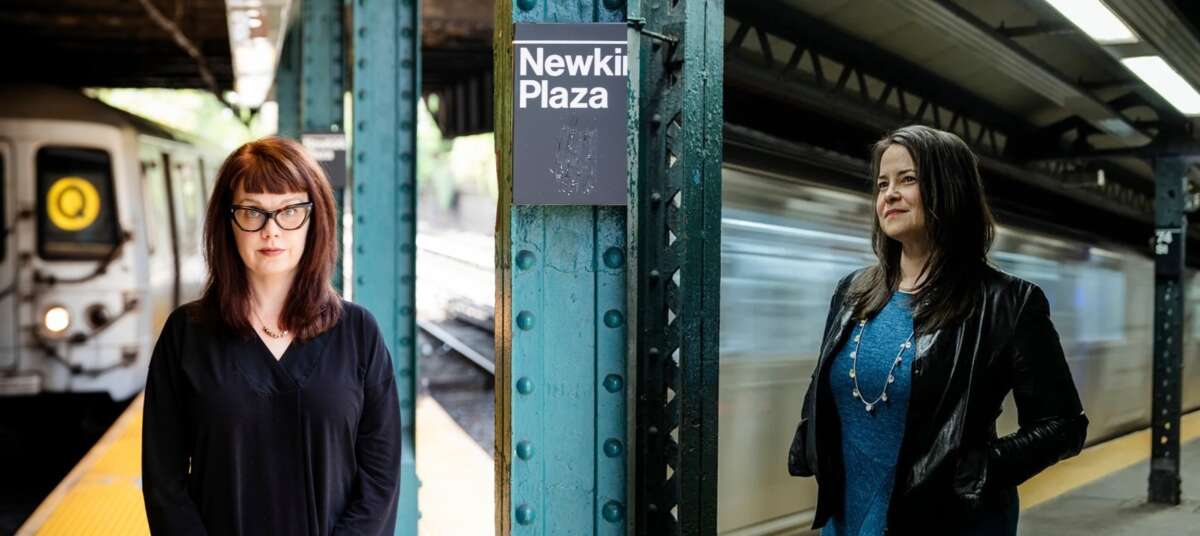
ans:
(253, 219)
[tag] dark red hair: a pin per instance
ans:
(278, 166)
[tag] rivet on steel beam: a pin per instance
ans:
(653, 350)
(525, 320)
(362, 157)
(526, 5)
(613, 447)
(524, 386)
(613, 511)
(656, 198)
(362, 125)
(654, 275)
(652, 430)
(362, 219)
(613, 318)
(613, 383)
(614, 257)
(362, 31)
(524, 450)
(361, 280)
(525, 514)
(525, 259)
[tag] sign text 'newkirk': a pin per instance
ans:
(599, 62)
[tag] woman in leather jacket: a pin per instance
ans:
(919, 352)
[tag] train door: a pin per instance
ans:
(8, 263)
(160, 240)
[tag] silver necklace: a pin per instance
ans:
(857, 393)
(267, 330)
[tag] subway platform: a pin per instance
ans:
(1103, 491)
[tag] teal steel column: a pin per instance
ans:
(386, 74)
(321, 85)
(679, 267)
(560, 334)
(287, 85)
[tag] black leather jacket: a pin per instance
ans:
(951, 464)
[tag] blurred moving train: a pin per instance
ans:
(786, 242)
(102, 232)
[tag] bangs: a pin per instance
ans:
(262, 173)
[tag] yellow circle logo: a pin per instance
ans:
(72, 203)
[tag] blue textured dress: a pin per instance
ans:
(871, 441)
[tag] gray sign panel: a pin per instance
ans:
(329, 150)
(570, 104)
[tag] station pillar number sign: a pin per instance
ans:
(570, 109)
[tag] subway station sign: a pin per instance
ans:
(570, 107)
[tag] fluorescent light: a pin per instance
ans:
(1157, 74)
(1096, 20)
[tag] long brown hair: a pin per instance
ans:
(959, 226)
(271, 165)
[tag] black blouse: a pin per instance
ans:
(237, 442)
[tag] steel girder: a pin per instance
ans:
(678, 215)
(386, 76)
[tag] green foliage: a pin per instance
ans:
(192, 111)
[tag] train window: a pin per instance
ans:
(77, 216)
(187, 189)
(1099, 303)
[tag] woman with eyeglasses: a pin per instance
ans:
(270, 404)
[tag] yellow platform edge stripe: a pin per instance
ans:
(102, 494)
(1098, 461)
(73, 494)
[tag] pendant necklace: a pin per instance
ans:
(870, 406)
(267, 330)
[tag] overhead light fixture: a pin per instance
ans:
(1166, 81)
(1096, 20)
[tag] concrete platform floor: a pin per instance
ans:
(1116, 504)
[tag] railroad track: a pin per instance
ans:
(465, 339)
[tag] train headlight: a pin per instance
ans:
(56, 320)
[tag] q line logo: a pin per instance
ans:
(72, 203)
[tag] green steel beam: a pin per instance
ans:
(321, 85)
(287, 86)
(560, 334)
(386, 77)
(678, 233)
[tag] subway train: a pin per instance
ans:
(785, 244)
(102, 215)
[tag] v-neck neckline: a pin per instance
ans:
(278, 360)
